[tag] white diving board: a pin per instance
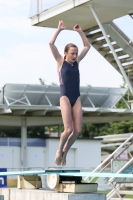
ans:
(67, 173)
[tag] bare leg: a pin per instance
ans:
(77, 123)
(66, 111)
(69, 143)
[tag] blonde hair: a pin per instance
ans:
(68, 46)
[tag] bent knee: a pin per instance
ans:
(68, 131)
(77, 131)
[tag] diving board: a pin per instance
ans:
(68, 173)
(69, 181)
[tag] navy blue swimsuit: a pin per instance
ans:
(69, 81)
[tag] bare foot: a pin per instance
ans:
(63, 161)
(58, 157)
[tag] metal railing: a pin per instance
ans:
(38, 6)
(101, 167)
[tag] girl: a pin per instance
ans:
(70, 103)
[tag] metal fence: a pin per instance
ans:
(38, 6)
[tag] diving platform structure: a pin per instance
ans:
(24, 105)
(18, 108)
(96, 19)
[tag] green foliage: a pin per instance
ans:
(127, 96)
(52, 83)
(10, 133)
(37, 132)
(42, 82)
(92, 130)
(88, 130)
(32, 132)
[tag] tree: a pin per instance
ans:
(91, 130)
(127, 96)
(14, 132)
(37, 132)
(52, 83)
(42, 82)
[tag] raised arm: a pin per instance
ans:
(85, 42)
(53, 48)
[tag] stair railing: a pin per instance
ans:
(121, 170)
(111, 180)
(110, 157)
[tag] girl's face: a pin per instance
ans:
(72, 54)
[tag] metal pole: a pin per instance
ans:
(110, 156)
(59, 130)
(3, 93)
(23, 142)
(112, 49)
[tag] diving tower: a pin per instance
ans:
(96, 19)
(24, 105)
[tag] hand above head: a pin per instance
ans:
(61, 25)
(77, 28)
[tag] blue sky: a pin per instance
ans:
(25, 55)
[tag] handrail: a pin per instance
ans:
(110, 160)
(37, 7)
(121, 33)
(121, 170)
(110, 157)
(110, 181)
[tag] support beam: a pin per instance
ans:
(39, 113)
(23, 142)
(59, 130)
(20, 112)
(111, 48)
(89, 116)
(5, 111)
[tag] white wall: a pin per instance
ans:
(35, 157)
(88, 153)
(9, 157)
(51, 148)
(83, 154)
